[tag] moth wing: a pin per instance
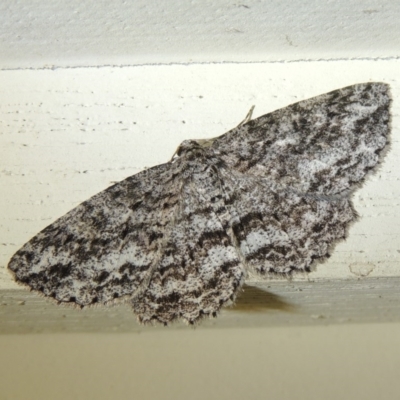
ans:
(105, 247)
(322, 145)
(200, 269)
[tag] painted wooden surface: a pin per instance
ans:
(261, 305)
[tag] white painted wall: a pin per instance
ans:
(47, 33)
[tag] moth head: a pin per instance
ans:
(188, 147)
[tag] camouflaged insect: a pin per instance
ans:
(177, 241)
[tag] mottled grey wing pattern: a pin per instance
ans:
(156, 237)
(322, 145)
(177, 240)
(200, 269)
(104, 248)
(292, 171)
(279, 230)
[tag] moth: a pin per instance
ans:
(269, 197)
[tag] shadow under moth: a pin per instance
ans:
(178, 240)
